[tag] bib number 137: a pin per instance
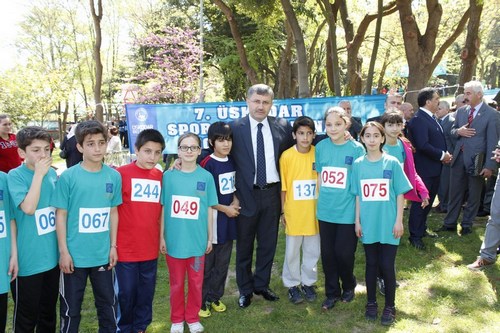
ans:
(375, 190)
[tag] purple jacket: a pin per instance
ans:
(419, 190)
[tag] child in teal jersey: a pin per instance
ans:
(31, 186)
(379, 183)
(187, 196)
(8, 249)
(87, 196)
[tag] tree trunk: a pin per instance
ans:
(303, 72)
(470, 51)
(420, 49)
(284, 71)
(250, 72)
(376, 41)
(97, 17)
(332, 60)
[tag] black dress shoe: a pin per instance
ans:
(268, 294)
(482, 213)
(417, 243)
(445, 228)
(466, 231)
(244, 301)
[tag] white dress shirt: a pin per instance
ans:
(272, 175)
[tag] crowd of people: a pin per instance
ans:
(329, 191)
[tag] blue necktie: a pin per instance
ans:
(261, 158)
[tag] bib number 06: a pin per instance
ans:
(45, 220)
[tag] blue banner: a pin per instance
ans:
(173, 120)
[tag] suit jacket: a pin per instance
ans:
(428, 139)
(242, 153)
(447, 124)
(486, 124)
(356, 127)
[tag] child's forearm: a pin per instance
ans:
(30, 202)
(61, 218)
(400, 208)
(113, 226)
(210, 224)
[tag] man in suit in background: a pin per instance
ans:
(476, 130)
(356, 125)
(427, 137)
(258, 141)
(445, 119)
(393, 100)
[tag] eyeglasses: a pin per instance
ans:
(194, 149)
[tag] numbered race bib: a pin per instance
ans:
(334, 177)
(45, 220)
(3, 225)
(226, 182)
(184, 207)
(304, 189)
(93, 220)
(375, 189)
(145, 190)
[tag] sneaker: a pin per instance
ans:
(388, 316)
(177, 328)
(309, 292)
(479, 264)
(329, 303)
(196, 327)
(381, 286)
(294, 295)
(204, 312)
(371, 311)
(347, 295)
(218, 306)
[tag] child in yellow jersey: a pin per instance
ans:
(298, 198)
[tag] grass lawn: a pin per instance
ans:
(437, 293)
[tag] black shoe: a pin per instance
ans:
(445, 228)
(482, 213)
(244, 301)
(347, 295)
(466, 231)
(388, 316)
(417, 243)
(429, 234)
(381, 285)
(295, 296)
(371, 311)
(268, 294)
(329, 303)
(309, 292)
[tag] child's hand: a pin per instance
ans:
(113, 257)
(43, 165)
(66, 263)
(283, 219)
(358, 230)
(209, 247)
(163, 246)
(232, 211)
(13, 268)
(425, 203)
(398, 230)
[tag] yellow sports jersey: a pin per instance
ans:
(299, 181)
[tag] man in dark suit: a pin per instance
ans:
(476, 130)
(258, 189)
(445, 119)
(428, 139)
(356, 125)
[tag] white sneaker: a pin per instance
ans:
(177, 328)
(196, 327)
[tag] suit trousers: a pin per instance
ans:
(460, 181)
(417, 222)
(72, 289)
(263, 226)
(136, 288)
(492, 234)
(216, 267)
(294, 273)
(3, 311)
(444, 187)
(35, 298)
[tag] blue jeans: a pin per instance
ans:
(136, 289)
(72, 289)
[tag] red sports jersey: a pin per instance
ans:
(9, 157)
(139, 214)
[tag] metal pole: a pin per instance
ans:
(202, 97)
